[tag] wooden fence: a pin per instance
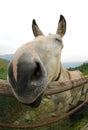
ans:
(52, 88)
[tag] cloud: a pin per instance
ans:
(9, 46)
(16, 20)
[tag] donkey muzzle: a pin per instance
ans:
(31, 80)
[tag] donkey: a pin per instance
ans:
(37, 63)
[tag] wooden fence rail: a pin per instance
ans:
(52, 88)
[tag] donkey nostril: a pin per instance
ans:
(37, 72)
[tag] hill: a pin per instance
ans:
(3, 68)
(65, 64)
(4, 60)
(7, 57)
(83, 68)
(71, 64)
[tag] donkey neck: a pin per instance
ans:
(63, 74)
(59, 74)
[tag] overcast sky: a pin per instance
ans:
(16, 19)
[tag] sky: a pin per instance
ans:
(16, 20)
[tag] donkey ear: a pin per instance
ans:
(35, 29)
(61, 29)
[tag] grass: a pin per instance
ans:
(12, 111)
(3, 69)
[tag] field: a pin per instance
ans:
(11, 111)
(3, 68)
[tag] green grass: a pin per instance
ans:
(3, 69)
(12, 111)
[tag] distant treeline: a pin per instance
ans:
(83, 68)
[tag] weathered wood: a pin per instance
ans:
(52, 88)
(58, 87)
(5, 88)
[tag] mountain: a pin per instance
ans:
(7, 57)
(65, 64)
(71, 64)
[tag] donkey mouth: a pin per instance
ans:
(36, 103)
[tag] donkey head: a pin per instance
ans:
(36, 64)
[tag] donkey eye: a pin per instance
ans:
(58, 40)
